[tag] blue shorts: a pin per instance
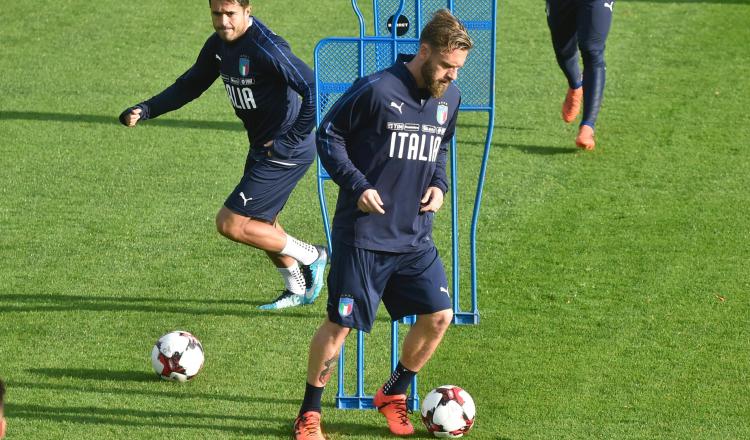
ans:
(408, 283)
(265, 187)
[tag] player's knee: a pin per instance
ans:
(334, 330)
(592, 57)
(440, 321)
(225, 226)
(221, 225)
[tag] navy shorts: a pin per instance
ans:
(265, 187)
(408, 284)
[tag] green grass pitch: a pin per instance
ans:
(614, 285)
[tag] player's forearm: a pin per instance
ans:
(172, 98)
(345, 174)
(335, 160)
(302, 81)
(440, 177)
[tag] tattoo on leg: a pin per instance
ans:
(325, 375)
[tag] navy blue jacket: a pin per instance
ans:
(386, 133)
(264, 81)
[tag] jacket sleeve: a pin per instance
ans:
(297, 75)
(440, 177)
(334, 133)
(190, 85)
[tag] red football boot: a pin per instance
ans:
(572, 104)
(307, 427)
(395, 411)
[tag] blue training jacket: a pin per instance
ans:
(263, 80)
(387, 134)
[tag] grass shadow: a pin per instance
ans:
(497, 127)
(277, 425)
(112, 120)
(150, 418)
(177, 393)
(62, 303)
(529, 149)
(538, 149)
(20, 297)
(95, 374)
(229, 125)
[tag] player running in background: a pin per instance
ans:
(385, 144)
(2, 409)
(581, 24)
(264, 81)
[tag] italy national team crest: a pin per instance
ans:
(442, 112)
(346, 307)
(244, 65)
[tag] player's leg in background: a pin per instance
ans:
(292, 257)
(561, 19)
(280, 247)
(249, 213)
(288, 268)
(249, 216)
(594, 22)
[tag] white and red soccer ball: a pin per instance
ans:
(448, 412)
(178, 356)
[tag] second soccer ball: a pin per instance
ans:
(178, 356)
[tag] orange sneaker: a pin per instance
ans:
(395, 412)
(572, 104)
(585, 138)
(307, 427)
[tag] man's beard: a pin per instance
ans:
(435, 87)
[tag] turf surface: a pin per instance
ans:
(614, 285)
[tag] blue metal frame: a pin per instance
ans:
(460, 316)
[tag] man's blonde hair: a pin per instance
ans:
(445, 33)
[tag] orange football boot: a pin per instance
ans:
(395, 412)
(585, 138)
(307, 427)
(572, 104)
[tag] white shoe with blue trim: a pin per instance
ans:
(285, 300)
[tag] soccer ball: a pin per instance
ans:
(448, 412)
(177, 356)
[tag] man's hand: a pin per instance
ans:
(432, 200)
(130, 117)
(370, 202)
(270, 150)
